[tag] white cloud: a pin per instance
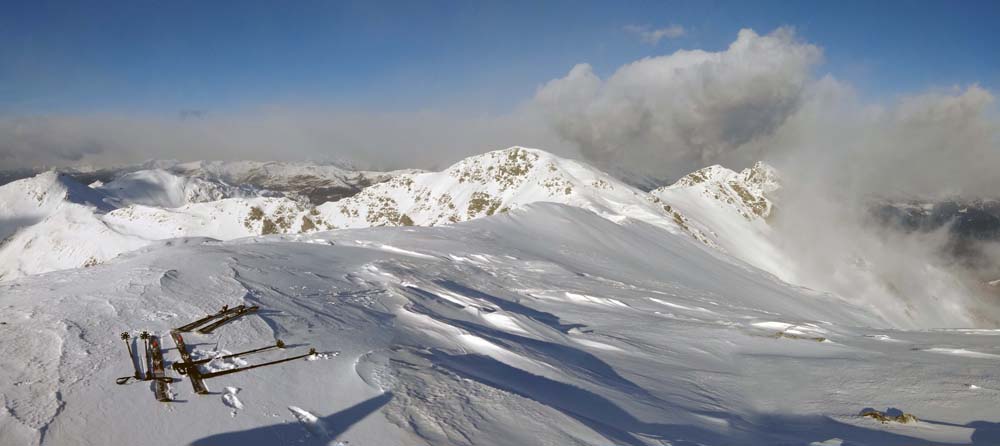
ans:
(662, 116)
(653, 36)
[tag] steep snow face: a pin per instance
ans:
(163, 189)
(731, 209)
(27, 201)
(500, 331)
(494, 183)
(317, 183)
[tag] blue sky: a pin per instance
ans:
(465, 55)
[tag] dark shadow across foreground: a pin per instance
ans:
(322, 433)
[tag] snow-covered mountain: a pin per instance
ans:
(143, 206)
(160, 188)
(27, 201)
(317, 183)
(495, 183)
(731, 209)
(50, 222)
(717, 208)
(548, 324)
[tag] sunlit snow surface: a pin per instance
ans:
(549, 325)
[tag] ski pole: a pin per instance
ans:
(131, 357)
(312, 351)
(183, 367)
(149, 359)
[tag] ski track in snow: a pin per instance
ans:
(962, 352)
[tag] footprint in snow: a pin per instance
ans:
(231, 400)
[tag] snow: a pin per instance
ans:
(534, 300)
(163, 189)
(492, 183)
(536, 342)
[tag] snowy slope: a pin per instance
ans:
(160, 188)
(506, 330)
(223, 219)
(51, 222)
(731, 209)
(27, 201)
(75, 236)
(71, 237)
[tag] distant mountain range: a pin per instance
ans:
(53, 221)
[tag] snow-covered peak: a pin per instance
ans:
(47, 190)
(29, 200)
(744, 191)
(164, 189)
(731, 209)
(491, 183)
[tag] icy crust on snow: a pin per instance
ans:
(494, 183)
(498, 331)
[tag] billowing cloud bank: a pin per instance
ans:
(660, 116)
(761, 98)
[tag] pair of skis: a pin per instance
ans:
(222, 317)
(154, 365)
(190, 367)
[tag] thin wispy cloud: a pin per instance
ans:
(648, 34)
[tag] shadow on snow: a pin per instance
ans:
(321, 433)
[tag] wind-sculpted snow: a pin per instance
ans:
(549, 324)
